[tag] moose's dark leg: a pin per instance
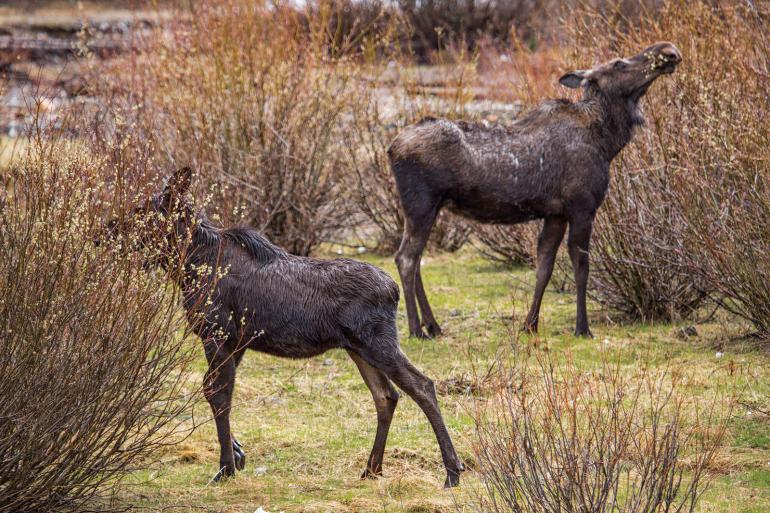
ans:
(578, 242)
(238, 453)
(218, 389)
(385, 400)
(434, 330)
(379, 348)
(417, 225)
(547, 246)
(421, 389)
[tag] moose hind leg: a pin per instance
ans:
(380, 349)
(547, 247)
(428, 320)
(385, 400)
(421, 389)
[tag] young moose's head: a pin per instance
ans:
(160, 222)
(626, 78)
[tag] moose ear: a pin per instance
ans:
(575, 79)
(180, 181)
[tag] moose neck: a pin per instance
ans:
(204, 242)
(616, 119)
(192, 256)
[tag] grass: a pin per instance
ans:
(307, 425)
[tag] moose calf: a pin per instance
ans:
(242, 292)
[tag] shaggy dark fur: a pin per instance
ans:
(551, 164)
(243, 292)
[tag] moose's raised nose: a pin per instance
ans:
(670, 52)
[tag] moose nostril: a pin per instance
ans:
(671, 53)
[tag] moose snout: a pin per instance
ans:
(671, 53)
(663, 56)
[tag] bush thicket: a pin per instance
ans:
(93, 367)
(558, 438)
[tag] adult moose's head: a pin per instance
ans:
(626, 79)
(160, 224)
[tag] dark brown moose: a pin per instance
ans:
(551, 164)
(242, 292)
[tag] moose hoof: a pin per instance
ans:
(452, 479)
(371, 474)
(419, 334)
(584, 333)
(225, 471)
(239, 455)
(434, 330)
(529, 328)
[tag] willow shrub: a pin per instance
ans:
(555, 437)
(93, 367)
(259, 100)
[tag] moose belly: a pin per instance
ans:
(289, 331)
(504, 210)
(291, 347)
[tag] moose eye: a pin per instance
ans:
(619, 64)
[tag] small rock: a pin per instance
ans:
(361, 250)
(719, 354)
(328, 362)
(454, 312)
(260, 471)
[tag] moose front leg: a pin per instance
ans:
(547, 247)
(218, 389)
(578, 241)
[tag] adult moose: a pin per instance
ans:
(551, 164)
(242, 292)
